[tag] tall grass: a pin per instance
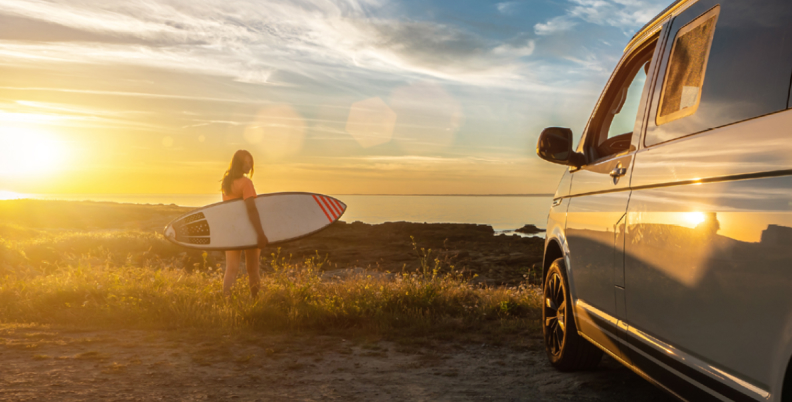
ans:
(131, 279)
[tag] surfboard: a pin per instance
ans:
(226, 226)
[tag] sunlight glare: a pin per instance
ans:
(10, 195)
(28, 152)
(694, 218)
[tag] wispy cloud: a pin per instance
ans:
(555, 25)
(80, 110)
(73, 120)
(131, 94)
(617, 13)
(625, 14)
(250, 41)
(507, 7)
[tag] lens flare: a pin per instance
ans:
(278, 131)
(371, 122)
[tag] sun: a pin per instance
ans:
(27, 152)
(694, 217)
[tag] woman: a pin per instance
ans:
(235, 186)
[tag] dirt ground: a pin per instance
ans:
(46, 364)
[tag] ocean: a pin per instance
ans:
(503, 213)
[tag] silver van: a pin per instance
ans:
(669, 240)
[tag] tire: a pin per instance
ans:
(566, 350)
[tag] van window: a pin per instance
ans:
(611, 129)
(625, 107)
(723, 63)
(686, 66)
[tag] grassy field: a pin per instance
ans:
(104, 265)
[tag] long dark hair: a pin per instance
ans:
(235, 170)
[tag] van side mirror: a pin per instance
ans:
(555, 145)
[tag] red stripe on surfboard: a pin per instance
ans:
(323, 208)
(332, 204)
(329, 208)
(340, 207)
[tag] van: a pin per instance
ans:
(669, 239)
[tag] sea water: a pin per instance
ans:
(503, 213)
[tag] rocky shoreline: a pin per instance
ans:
(398, 247)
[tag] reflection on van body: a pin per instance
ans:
(717, 256)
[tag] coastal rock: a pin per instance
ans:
(529, 229)
(401, 246)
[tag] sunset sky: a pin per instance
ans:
(367, 97)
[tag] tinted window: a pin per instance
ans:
(746, 75)
(686, 66)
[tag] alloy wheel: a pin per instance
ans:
(554, 313)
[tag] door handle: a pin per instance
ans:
(617, 172)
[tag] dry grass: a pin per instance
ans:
(136, 279)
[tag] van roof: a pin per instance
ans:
(653, 24)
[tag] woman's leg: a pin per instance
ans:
(232, 268)
(252, 265)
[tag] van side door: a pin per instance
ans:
(599, 195)
(709, 223)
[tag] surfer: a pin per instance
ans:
(236, 185)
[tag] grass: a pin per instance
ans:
(135, 279)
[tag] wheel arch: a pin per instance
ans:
(553, 251)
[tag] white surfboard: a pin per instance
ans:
(226, 226)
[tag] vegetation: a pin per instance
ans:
(136, 279)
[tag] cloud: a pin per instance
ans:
(525, 49)
(130, 94)
(625, 14)
(616, 13)
(506, 7)
(250, 41)
(443, 52)
(64, 108)
(555, 25)
(414, 163)
(61, 119)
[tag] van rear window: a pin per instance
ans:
(724, 62)
(687, 64)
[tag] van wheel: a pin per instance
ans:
(567, 350)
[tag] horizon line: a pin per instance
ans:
(207, 194)
(461, 195)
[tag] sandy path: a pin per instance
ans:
(42, 364)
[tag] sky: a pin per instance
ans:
(336, 97)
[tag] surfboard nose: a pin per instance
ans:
(331, 207)
(169, 233)
(339, 206)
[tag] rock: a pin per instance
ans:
(389, 247)
(529, 229)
